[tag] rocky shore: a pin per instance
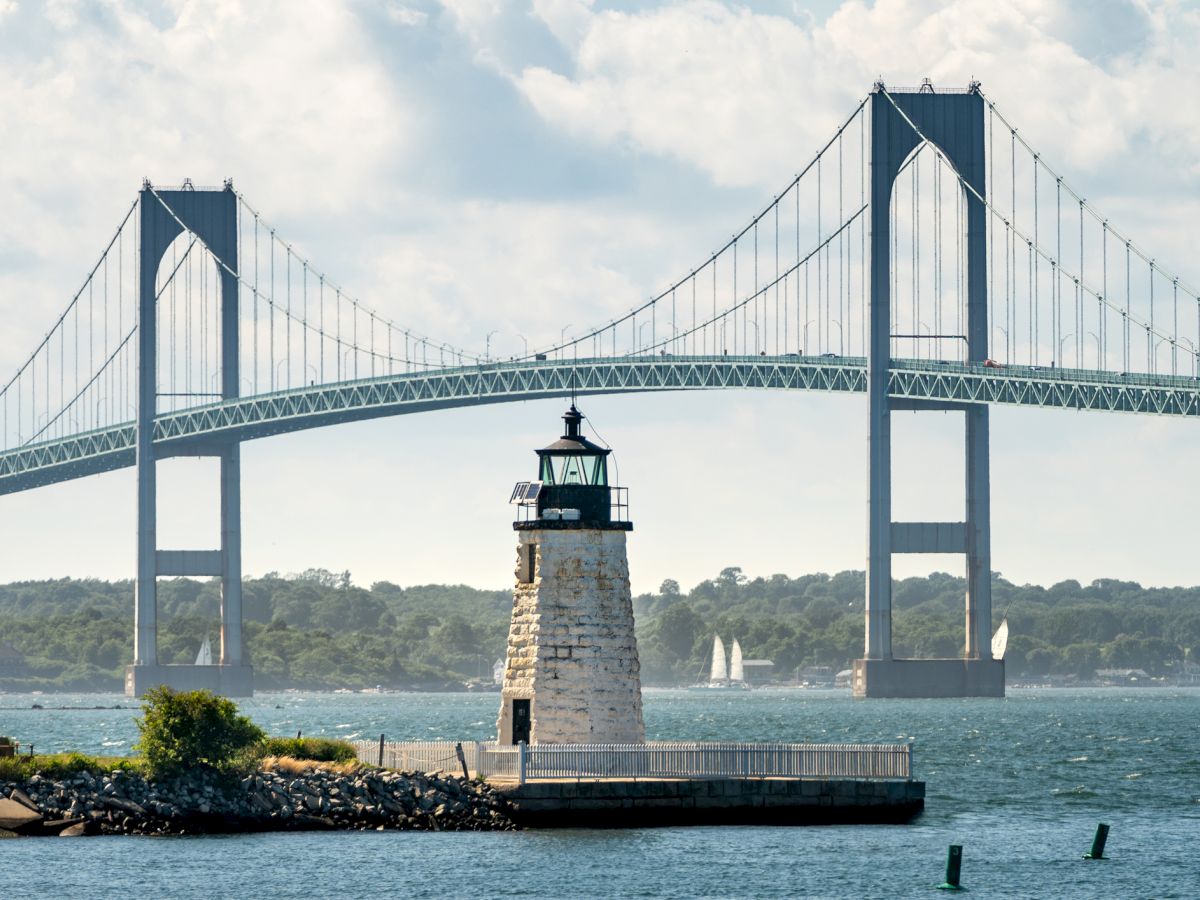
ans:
(287, 797)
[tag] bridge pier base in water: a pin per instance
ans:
(228, 681)
(916, 678)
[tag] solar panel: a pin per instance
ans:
(532, 489)
(518, 494)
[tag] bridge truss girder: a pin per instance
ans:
(190, 432)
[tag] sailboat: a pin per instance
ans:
(204, 657)
(737, 674)
(717, 675)
(1000, 640)
(720, 677)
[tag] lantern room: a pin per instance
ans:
(572, 486)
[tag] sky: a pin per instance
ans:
(469, 167)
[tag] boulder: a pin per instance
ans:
(16, 816)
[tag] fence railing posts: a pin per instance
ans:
(667, 759)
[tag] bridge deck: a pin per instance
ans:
(313, 406)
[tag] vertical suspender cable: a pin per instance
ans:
(1037, 245)
(271, 361)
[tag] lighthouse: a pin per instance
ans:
(571, 674)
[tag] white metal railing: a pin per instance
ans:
(416, 756)
(658, 759)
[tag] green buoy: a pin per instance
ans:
(1098, 842)
(953, 869)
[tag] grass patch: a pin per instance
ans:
(292, 766)
(317, 749)
(63, 765)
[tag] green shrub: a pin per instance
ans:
(315, 749)
(181, 729)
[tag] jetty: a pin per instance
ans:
(677, 783)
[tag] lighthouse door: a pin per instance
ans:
(520, 720)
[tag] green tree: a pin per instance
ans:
(181, 729)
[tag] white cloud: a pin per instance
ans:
(404, 15)
(276, 95)
(746, 97)
(522, 267)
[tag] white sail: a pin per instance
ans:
(204, 657)
(1000, 640)
(736, 673)
(717, 674)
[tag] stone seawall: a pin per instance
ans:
(202, 802)
(714, 801)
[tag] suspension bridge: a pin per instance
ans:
(927, 255)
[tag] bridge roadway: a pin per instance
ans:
(912, 384)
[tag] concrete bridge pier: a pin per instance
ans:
(955, 123)
(211, 216)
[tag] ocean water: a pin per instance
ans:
(1021, 783)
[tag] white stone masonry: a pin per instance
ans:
(571, 646)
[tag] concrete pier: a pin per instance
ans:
(228, 681)
(916, 678)
(712, 801)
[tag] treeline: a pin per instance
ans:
(817, 620)
(317, 630)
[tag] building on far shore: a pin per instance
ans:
(758, 671)
(815, 676)
(12, 661)
(1123, 676)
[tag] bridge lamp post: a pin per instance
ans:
(841, 341)
(804, 349)
(929, 333)
(1099, 352)
(1001, 328)
(1154, 367)
(487, 346)
(1061, 341)
(1194, 354)
(641, 334)
(562, 339)
(346, 361)
(524, 342)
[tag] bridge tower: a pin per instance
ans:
(571, 674)
(211, 215)
(955, 123)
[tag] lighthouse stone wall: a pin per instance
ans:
(571, 645)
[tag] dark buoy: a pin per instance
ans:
(1098, 842)
(953, 869)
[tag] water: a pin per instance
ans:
(1021, 783)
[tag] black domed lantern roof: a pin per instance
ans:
(573, 459)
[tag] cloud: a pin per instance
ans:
(745, 97)
(274, 94)
(404, 15)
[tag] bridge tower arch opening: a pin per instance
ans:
(211, 216)
(901, 123)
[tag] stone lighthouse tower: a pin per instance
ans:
(572, 673)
